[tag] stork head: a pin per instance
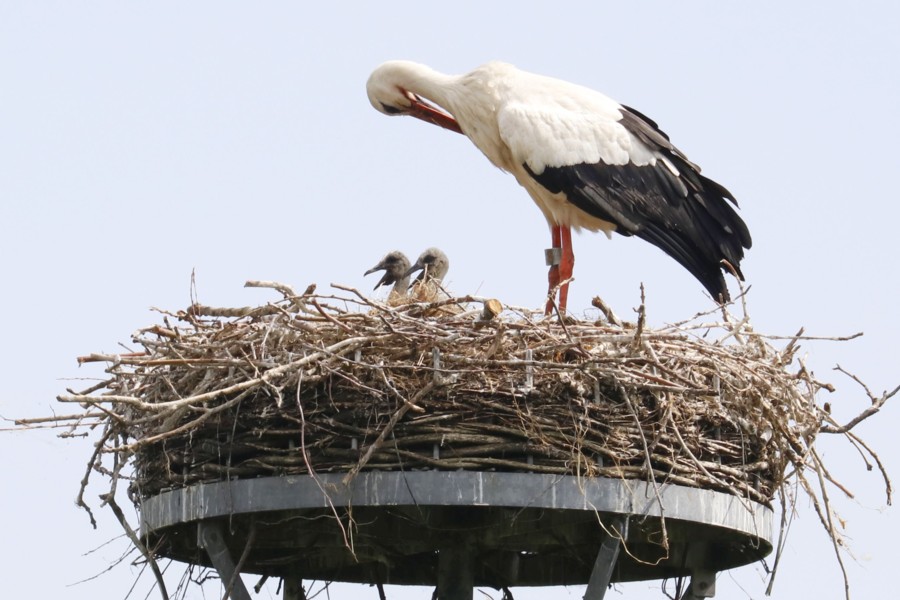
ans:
(433, 263)
(399, 87)
(395, 266)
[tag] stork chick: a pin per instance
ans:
(396, 271)
(433, 264)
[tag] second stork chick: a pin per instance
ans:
(433, 264)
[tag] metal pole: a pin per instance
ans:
(456, 573)
(293, 589)
(703, 585)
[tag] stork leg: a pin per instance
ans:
(566, 266)
(553, 275)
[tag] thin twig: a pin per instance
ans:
(136, 541)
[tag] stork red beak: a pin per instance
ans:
(431, 114)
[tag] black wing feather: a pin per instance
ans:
(689, 216)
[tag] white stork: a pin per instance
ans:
(586, 160)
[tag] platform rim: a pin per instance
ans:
(457, 488)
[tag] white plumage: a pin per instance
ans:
(587, 162)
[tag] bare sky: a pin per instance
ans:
(139, 142)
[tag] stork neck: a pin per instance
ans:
(432, 85)
(401, 286)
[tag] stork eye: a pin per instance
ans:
(391, 110)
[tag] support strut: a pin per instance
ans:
(211, 538)
(606, 559)
(703, 585)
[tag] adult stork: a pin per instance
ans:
(587, 162)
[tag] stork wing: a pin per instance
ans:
(618, 166)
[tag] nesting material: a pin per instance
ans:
(342, 383)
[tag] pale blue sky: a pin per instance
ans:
(139, 142)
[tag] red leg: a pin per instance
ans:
(566, 266)
(553, 275)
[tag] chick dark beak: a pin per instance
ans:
(416, 267)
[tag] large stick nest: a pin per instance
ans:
(313, 383)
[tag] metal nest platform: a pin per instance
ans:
(456, 530)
